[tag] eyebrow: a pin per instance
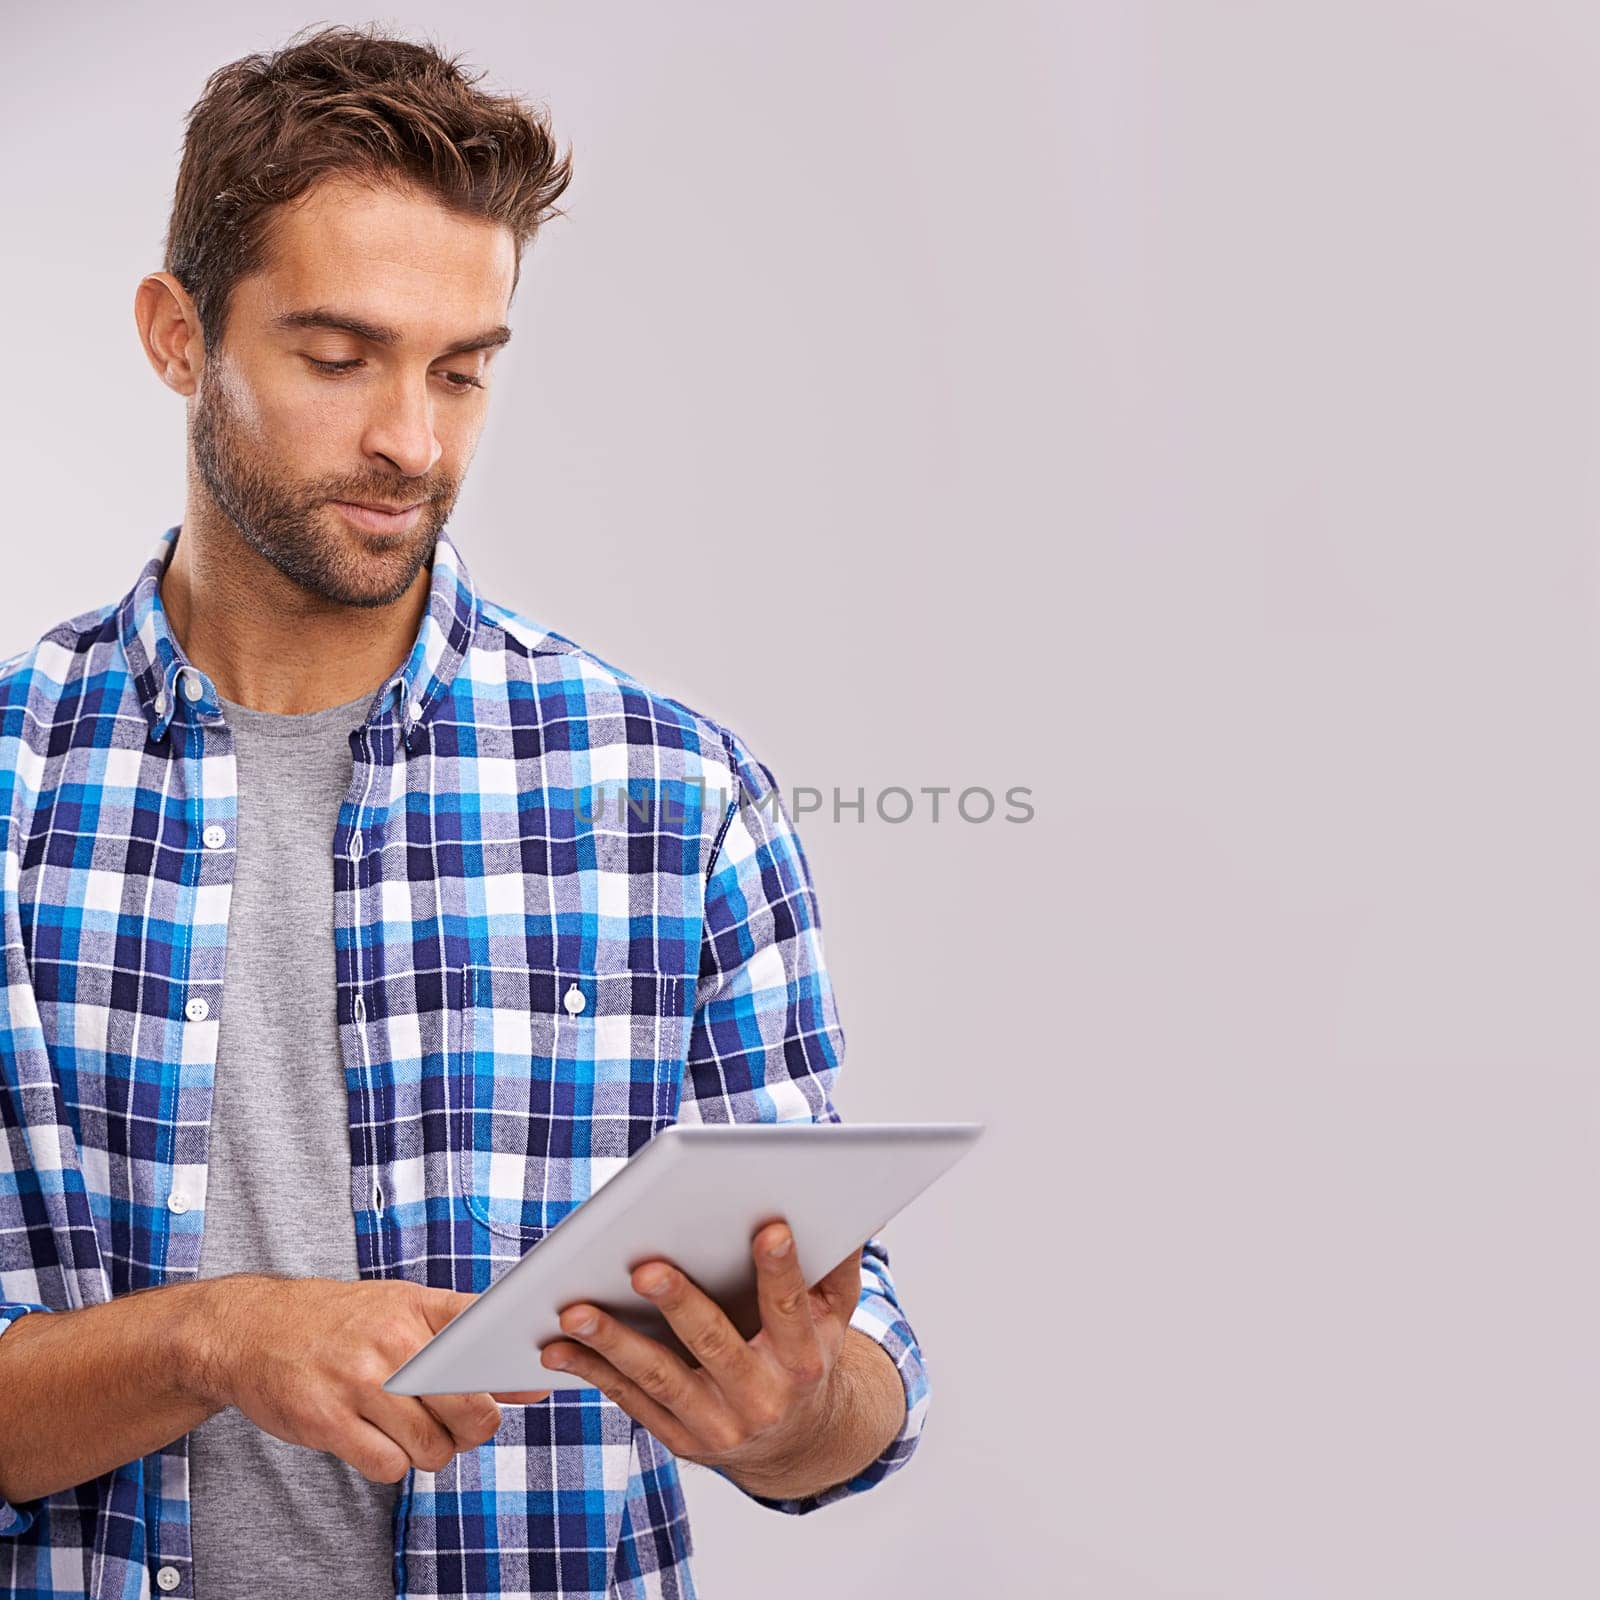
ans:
(376, 333)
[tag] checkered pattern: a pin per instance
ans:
(527, 826)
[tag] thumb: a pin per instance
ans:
(441, 1306)
(840, 1289)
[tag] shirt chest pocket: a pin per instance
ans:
(559, 1077)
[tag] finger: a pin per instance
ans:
(469, 1419)
(373, 1454)
(703, 1326)
(785, 1303)
(656, 1370)
(593, 1368)
(521, 1397)
(839, 1291)
(413, 1426)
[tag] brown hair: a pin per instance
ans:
(356, 102)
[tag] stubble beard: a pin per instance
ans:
(279, 519)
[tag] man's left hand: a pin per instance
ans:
(752, 1407)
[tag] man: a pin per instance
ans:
(332, 979)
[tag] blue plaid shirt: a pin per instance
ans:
(522, 817)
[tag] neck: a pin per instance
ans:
(263, 640)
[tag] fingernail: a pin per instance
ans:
(586, 1324)
(653, 1281)
(560, 1363)
(779, 1250)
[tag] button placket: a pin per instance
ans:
(358, 1008)
(377, 1181)
(372, 761)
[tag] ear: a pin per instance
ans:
(169, 329)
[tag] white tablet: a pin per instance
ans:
(695, 1195)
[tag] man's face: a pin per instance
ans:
(295, 422)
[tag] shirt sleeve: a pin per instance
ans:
(16, 1516)
(766, 1046)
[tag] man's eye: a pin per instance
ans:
(461, 381)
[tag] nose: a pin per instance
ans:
(401, 430)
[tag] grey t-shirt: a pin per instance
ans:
(271, 1519)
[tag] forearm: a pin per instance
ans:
(867, 1407)
(83, 1392)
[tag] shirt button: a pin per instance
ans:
(161, 702)
(192, 688)
(197, 1010)
(573, 1000)
(169, 1578)
(177, 1202)
(215, 836)
(416, 710)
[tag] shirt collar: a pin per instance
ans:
(163, 675)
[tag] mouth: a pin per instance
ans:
(377, 517)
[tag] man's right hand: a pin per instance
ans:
(305, 1359)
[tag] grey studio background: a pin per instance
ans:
(1187, 411)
